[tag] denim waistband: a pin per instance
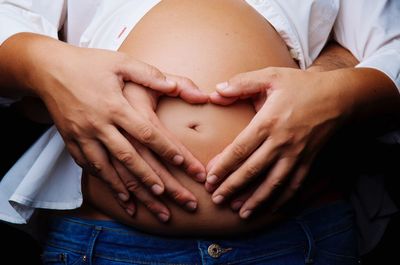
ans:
(114, 241)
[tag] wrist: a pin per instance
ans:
(364, 93)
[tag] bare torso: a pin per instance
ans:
(209, 42)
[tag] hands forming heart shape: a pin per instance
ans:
(276, 148)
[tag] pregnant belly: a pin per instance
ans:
(207, 41)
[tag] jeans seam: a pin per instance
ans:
(66, 248)
(90, 247)
(337, 231)
(137, 261)
(338, 255)
(269, 255)
(201, 252)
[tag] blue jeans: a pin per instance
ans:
(324, 235)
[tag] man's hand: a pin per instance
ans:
(299, 114)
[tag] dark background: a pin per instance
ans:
(18, 133)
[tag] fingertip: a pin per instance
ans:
(218, 199)
(212, 179)
(130, 211)
(209, 188)
(163, 217)
(191, 205)
(157, 189)
(236, 205)
(219, 99)
(123, 196)
(201, 177)
(178, 160)
(245, 214)
(222, 86)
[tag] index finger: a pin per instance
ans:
(239, 150)
(149, 135)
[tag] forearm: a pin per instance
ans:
(366, 93)
(25, 59)
(333, 57)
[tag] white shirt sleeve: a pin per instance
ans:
(370, 29)
(36, 16)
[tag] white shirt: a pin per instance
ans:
(368, 28)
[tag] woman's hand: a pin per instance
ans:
(82, 90)
(145, 102)
(301, 111)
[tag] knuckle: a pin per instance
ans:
(252, 170)
(81, 163)
(154, 72)
(168, 153)
(114, 108)
(146, 179)
(239, 150)
(133, 185)
(151, 205)
(295, 186)
(177, 196)
(276, 184)
(146, 133)
(125, 157)
(95, 167)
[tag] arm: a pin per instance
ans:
(302, 110)
(333, 57)
(73, 82)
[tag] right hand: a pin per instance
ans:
(83, 92)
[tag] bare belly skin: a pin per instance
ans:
(209, 42)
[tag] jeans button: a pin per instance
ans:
(214, 250)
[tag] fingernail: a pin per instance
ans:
(201, 176)
(212, 179)
(130, 211)
(178, 159)
(236, 205)
(123, 197)
(170, 82)
(210, 188)
(245, 214)
(222, 86)
(163, 217)
(218, 199)
(192, 205)
(157, 189)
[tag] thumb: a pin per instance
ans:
(187, 90)
(146, 75)
(245, 85)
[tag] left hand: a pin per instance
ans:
(297, 111)
(144, 101)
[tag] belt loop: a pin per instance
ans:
(88, 258)
(309, 258)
